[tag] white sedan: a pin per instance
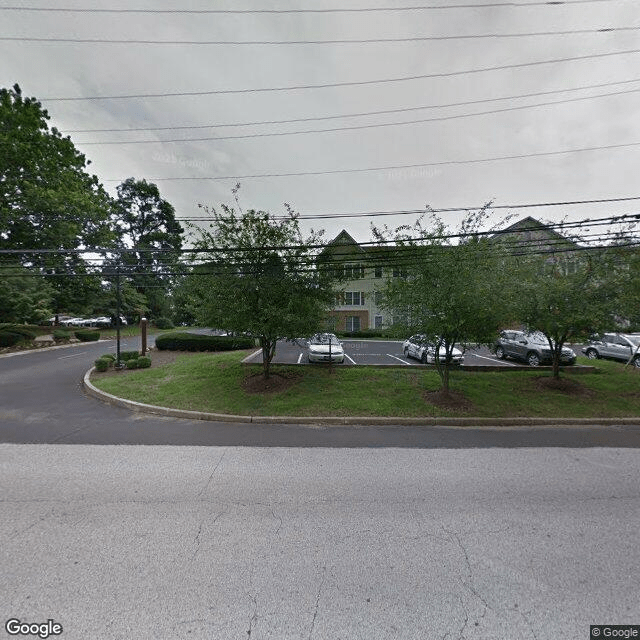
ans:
(422, 348)
(325, 347)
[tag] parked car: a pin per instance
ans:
(532, 348)
(423, 348)
(325, 347)
(103, 321)
(614, 346)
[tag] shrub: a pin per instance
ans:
(8, 338)
(61, 334)
(128, 355)
(144, 362)
(108, 356)
(365, 333)
(22, 330)
(102, 364)
(132, 363)
(163, 323)
(87, 335)
(196, 342)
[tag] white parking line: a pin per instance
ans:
(73, 356)
(253, 355)
(508, 364)
(350, 359)
(398, 359)
(300, 358)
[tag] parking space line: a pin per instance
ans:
(507, 364)
(352, 361)
(253, 355)
(300, 358)
(398, 359)
(75, 355)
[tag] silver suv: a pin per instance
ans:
(614, 346)
(532, 348)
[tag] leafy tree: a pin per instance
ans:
(566, 297)
(146, 223)
(24, 297)
(449, 292)
(47, 198)
(259, 278)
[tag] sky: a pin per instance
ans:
(427, 149)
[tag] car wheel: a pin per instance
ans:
(533, 359)
(499, 353)
(425, 358)
(406, 352)
(592, 354)
(636, 362)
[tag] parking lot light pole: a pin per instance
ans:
(118, 365)
(143, 334)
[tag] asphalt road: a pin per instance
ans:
(41, 401)
(237, 543)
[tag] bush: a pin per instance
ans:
(132, 363)
(8, 338)
(108, 356)
(22, 330)
(128, 355)
(87, 335)
(196, 342)
(102, 364)
(61, 334)
(365, 333)
(144, 362)
(163, 323)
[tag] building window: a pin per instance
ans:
(377, 322)
(378, 298)
(354, 298)
(353, 323)
(353, 271)
(378, 272)
(399, 273)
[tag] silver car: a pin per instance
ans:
(614, 346)
(325, 347)
(532, 348)
(423, 349)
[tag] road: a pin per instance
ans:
(289, 532)
(280, 543)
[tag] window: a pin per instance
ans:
(378, 272)
(399, 273)
(378, 298)
(377, 322)
(353, 323)
(354, 298)
(353, 271)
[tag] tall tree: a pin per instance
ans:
(259, 278)
(24, 296)
(451, 293)
(147, 224)
(47, 198)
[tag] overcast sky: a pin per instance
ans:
(77, 71)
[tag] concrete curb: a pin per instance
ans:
(363, 421)
(60, 346)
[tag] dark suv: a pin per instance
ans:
(532, 348)
(614, 346)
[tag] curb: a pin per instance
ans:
(54, 348)
(363, 421)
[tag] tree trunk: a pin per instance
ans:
(445, 379)
(268, 351)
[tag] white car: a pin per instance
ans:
(325, 347)
(422, 348)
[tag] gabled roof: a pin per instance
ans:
(343, 239)
(529, 227)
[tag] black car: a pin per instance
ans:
(532, 348)
(614, 346)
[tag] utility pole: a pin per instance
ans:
(118, 365)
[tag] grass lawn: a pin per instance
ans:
(219, 383)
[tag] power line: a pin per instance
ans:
(359, 114)
(361, 126)
(473, 36)
(441, 163)
(447, 74)
(538, 3)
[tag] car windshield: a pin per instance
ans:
(634, 339)
(324, 338)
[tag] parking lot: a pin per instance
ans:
(375, 352)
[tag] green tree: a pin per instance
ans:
(147, 224)
(48, 201)
(451, 293)
(24, 296)
(259, 278)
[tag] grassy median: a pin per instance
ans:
(220, 383)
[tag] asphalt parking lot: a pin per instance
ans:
(374, 352)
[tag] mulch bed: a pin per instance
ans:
(567, 386)
(453, 401)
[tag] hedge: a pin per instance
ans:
(86, 335)
(366, 333)
(144, 362)
(61, 334)
(128, 355)
(21, 329)
(163, 323)
(197, 342)
(8, 338)
(102, 364)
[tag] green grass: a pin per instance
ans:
(213, 383)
